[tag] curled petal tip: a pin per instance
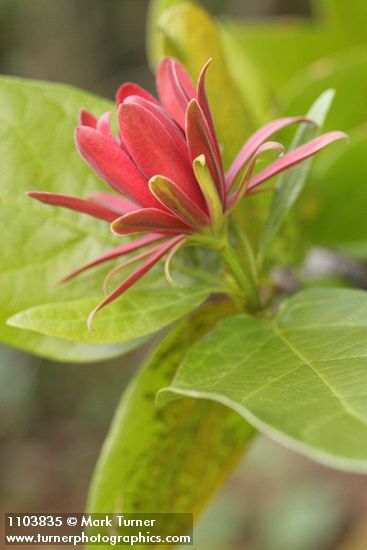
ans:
(90, 319)
(260, 136)
(200, 159)
(271, 146)
(207, 65)
(308, 120)
(92, 314)
(114, 226)
(344, 135)
(297, 155)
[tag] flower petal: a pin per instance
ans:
(154, 151)
(242, 187)
(147, 220)
(174, 131)
(157, 254)
(73, 203)
(199, 142)
(295, 156)
(121, 250)
(113, 165)
(184, 79)
(175, 89)
(255, 141)
(128, 89)
(87, 119)
(204, 104)
(127, 263)
(115, 202)
(104, 126)
(172, 197)
(209, 190)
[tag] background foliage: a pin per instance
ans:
(50, 409)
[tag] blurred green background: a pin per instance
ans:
(54, 417)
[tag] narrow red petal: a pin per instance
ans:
(157, 254)
(127, 263)
(255, 141)
(295, 156)
(154, 151)
(73, 203)
(147, 220)
(242, 187)
(121, 250)
(185, 80)
(204, 104)
(117, 203)
(173, 198)
(113, 165)
(128, 89)
(87, 119)
(200, 143)
(174, 89)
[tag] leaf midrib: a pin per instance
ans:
(309, 363)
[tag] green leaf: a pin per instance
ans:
(301, 379)
(191, 35)
(347, 74)
(347, 19)
(40, 243)
(154, 37)
(171, 459)
(339, 182)
(265, 56)
(255, 90)
(292, 181)
(137, 313)
(58, 349)
(295, 44)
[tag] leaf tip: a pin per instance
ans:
(11, 321)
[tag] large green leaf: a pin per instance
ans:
(292, 181)
(190, 34)
(40, 244)
(170, 459)
(301, 379)
(137, 313)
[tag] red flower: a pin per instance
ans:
(166, 168)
